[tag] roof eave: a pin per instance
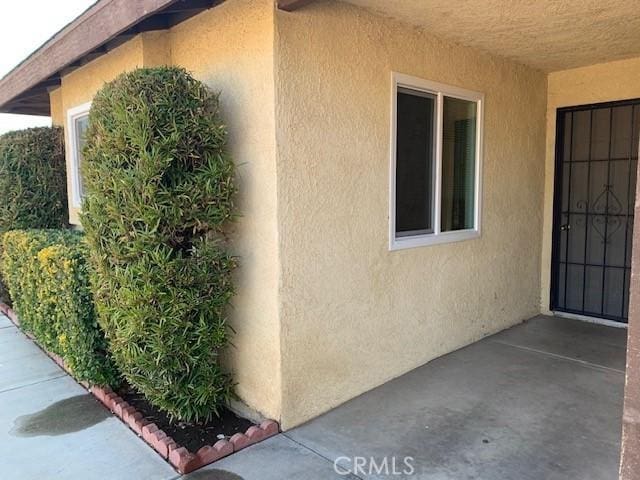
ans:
(105, 25)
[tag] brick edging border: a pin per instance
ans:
(179, 457)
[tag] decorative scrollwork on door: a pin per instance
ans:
(604, 213)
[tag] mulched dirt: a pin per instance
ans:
(190, 436)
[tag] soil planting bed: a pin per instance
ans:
(192, 437)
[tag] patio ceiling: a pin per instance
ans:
(548, 35)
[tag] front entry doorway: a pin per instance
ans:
(595, 184)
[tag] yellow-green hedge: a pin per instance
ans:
(47, 277)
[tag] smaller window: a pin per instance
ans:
(77, 123)
(435, 163)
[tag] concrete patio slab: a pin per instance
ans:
(274, 459)
(55, 429)
(583, 341)
(489, 411)
(22, 362)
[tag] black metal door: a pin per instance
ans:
(595, 184)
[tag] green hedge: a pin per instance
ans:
(159, 188)
(47, 276)
(33, 182)
(4, 292)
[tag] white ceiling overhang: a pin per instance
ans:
(548, 35)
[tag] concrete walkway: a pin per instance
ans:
(542, 400)
(52, 429)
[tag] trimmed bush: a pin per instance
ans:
(22, 273)
(4, 292)
(47, 276)
(33, 182)
(159, 188)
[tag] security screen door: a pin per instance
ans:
(595, 184)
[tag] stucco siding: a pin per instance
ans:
(55, 101)
(604, 82)
(156, 48)
(230, 48)
(354, 314)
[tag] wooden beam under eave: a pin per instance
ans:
(291, 5)
(43, 110)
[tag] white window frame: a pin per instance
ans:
(74, 150)
(399, 80)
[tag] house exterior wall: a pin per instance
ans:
(324, 310)
(156, 48)
(55, 100)
(230, 48)
(580, 86)
(353, 314)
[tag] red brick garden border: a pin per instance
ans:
(179, 457)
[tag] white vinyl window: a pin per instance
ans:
(77, 123)
(436, 159)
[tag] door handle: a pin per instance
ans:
(564, 227)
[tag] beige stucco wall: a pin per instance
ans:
(156, 48)
(593, 84)
(55, 101)
(230, 48)
(354, 314)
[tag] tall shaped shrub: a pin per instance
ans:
(159, 187)
(33, 182)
